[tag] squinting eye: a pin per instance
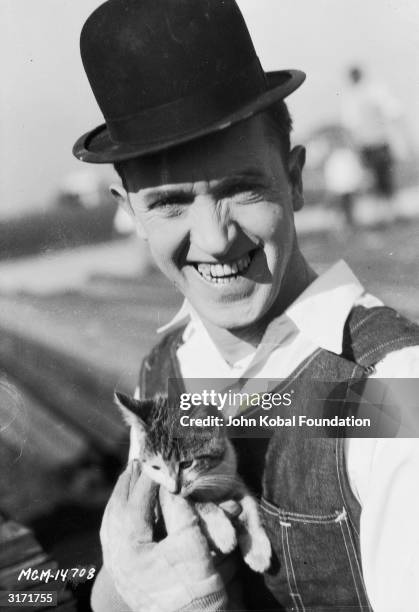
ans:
(184, 465)
(155, 467)
(169, 209)
(168, 203)
(173, 201)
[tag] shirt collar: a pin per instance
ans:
(320, 312)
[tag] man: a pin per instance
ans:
(200, 137)
(371, 115)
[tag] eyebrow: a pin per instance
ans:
(246, 178)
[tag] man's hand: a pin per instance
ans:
(176, 573)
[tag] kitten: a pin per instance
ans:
(198, 463)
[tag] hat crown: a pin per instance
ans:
(140, 54)
(165, 72)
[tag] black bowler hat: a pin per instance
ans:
(168, 71)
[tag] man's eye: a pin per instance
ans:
(172, 200)
(156, 467)
(184, 465)
(170, 206)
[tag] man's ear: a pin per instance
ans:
(120, 195)
(297, 158)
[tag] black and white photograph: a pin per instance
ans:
(209, 305)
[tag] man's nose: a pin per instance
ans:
(212, 229)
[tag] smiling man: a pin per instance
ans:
(200, 137)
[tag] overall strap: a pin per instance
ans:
(161, 365)
(371, 333)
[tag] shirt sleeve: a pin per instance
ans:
(384, 475)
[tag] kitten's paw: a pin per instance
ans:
(224, 536)
(258, 555)
(217, 527)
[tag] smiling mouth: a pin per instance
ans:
(227, 272)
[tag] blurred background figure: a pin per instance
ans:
(85, 189)
(344, 177)
(82, 188)
(372, 117)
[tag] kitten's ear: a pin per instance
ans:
(134, 412)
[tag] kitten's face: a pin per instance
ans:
(200, 463)
(200, 476)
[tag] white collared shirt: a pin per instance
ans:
(383, 473)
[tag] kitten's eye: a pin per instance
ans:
(156, 467)
(184, 465)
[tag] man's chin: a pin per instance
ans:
(230, 318)
(231, 311)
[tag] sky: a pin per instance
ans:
(46, 102)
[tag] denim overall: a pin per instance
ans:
(310, 513)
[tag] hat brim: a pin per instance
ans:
(97, 147)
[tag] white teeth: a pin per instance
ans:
(223, 273)
(204, 268)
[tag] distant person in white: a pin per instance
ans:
(343, 177)
(371, 115)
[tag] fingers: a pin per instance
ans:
(143, 496)
(116, 506)
(177, 511)
(130, 509)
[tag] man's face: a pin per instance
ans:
(218, 216)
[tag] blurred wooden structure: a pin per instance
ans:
(62, 440)
(61, 356)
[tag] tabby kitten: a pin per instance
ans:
(198, 463)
